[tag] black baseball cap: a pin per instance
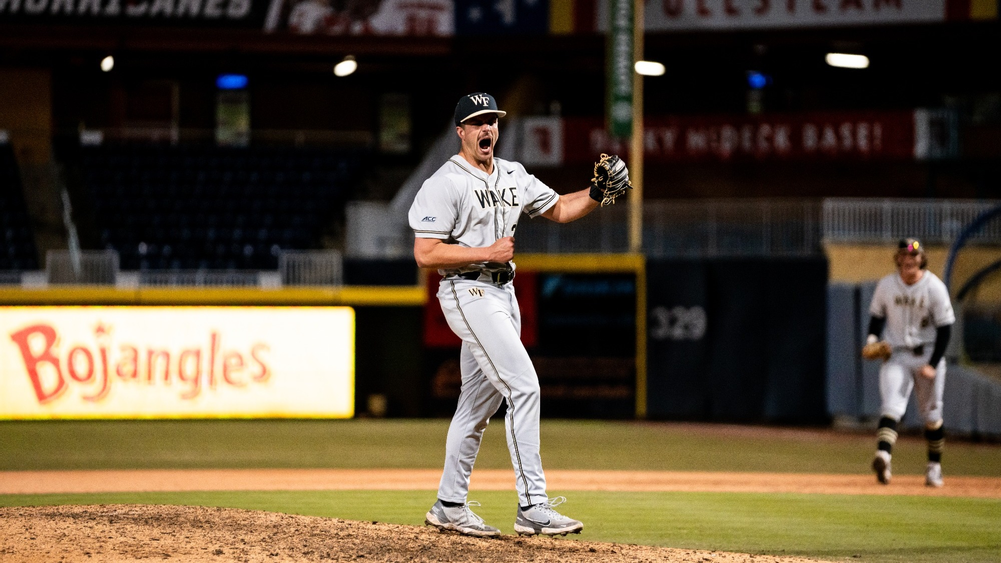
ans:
(475, 104)
(910, 246)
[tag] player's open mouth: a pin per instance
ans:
(485, 143)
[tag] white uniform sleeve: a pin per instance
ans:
(941, 306)
(432, 215)
(539, 197)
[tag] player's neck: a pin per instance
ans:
(486, 165)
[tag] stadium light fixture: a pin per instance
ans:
(649, 68)
(346, 67)
(844, 60)
(107, 63)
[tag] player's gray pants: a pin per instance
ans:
(495, 366)
(900, 375)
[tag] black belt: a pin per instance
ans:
(499, 277)
(918, 350)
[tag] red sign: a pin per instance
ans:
(838, 136)
(437, 333)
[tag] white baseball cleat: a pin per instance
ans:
(543, 519)
(459, 519)
(933, 475)
(881, 465)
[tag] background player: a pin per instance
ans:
(464, 218)
(912, 309)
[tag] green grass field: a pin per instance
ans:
(833, 527)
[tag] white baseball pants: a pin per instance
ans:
(495, 366)
(899, 376)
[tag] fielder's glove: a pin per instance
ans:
(611, 179)
(877, 350)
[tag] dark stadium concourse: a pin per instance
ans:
(165, 76)
(745, 110)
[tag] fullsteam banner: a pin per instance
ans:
(724, 15)
(176, 362)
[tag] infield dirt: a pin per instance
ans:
(114, 533)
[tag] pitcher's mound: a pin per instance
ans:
(112, 533)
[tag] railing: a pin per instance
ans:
(197, 278)
(733, 228)
(86, 267)
(882, 221)
(167, 134)
(101, 267)
(687, 228)
(311, 267)
(761, 227)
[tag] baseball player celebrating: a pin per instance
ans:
(464, 219)
(912, 309)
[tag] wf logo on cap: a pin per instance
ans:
(471, 105)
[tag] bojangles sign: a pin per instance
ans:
(123, 362)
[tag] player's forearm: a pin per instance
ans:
(447, 256)
(876, 325)
(435, 253)
(942, 335)
(571, 206)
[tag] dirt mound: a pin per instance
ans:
(113, 533)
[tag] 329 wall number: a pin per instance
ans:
(677, 323)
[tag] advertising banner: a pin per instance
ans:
(437, 333)
(726, 15)
(444, 18)
(581, 374)
(794, 136)
(414, 18)
(619, 72)
(170, 13)
(541, 140)
(507, 17)
(176, 362)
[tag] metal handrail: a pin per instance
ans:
(936, 221)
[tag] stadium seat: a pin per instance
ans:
(212, 207)
(18, 251)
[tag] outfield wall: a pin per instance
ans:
(612, 336)
(737, 339)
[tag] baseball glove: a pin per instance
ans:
(877, 350)
(611, 179)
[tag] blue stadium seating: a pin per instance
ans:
(18, 251)
(191, 207)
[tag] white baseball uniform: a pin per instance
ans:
(912, 313)
(460, 204)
